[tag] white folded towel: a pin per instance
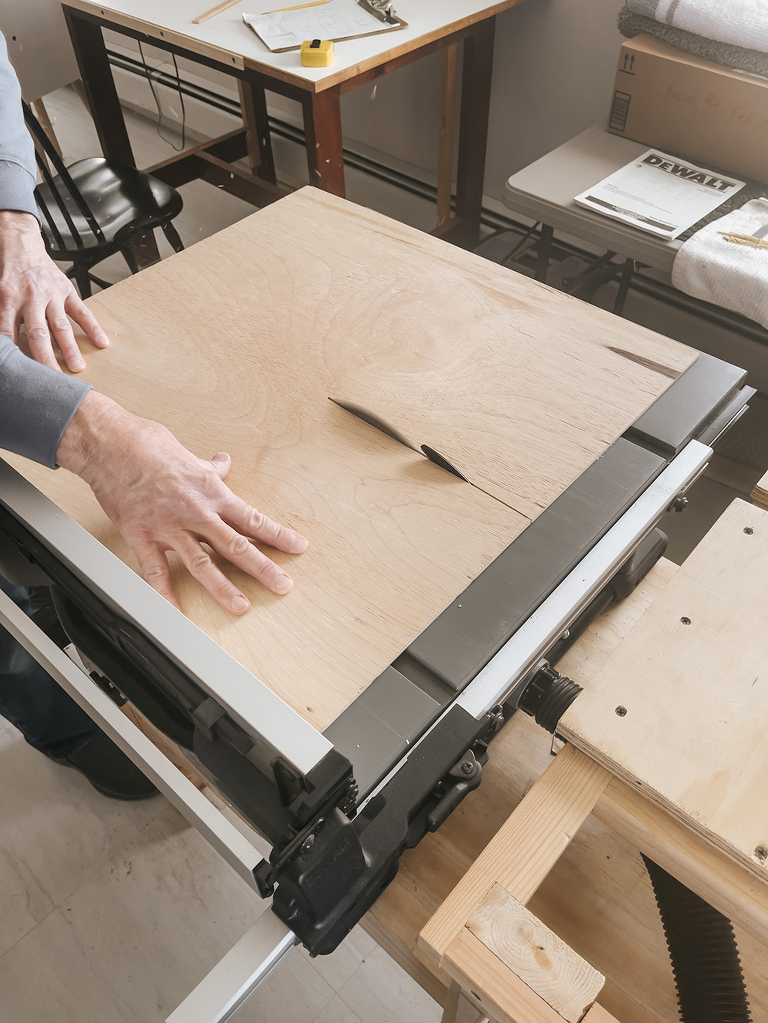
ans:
(710, 267)
(739, 22)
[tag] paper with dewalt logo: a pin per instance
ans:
(660, 193)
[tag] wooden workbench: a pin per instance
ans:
(239, 342)
(666, 749)
(462, 30)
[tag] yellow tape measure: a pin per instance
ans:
(316, 52)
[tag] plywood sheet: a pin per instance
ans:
(690, 685)
(237, 344)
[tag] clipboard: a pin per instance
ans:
(281, 31)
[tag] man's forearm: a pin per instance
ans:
(36, 404)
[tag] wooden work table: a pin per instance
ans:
(456, 28)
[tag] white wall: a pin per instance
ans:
(554, 65)
(38, 45)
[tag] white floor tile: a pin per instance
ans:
(379, 991)
(337, 1011)
(47, 978)
(339, 966)
(156, 918)
(55, 826)
(295, 993)
(23, 903)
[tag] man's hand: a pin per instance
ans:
(163, 498)
(33, 291)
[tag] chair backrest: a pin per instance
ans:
(61, 188)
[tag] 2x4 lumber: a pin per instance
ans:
(525, 849)
(535, 954)
(458, 1008)
(597, 1014)
(492, 986)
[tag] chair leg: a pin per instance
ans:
(82, 279)
(545, 252)
(172, 235)
(129, 256)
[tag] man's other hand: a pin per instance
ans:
(163, 498)
(33, 291)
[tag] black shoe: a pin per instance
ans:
(109, 770)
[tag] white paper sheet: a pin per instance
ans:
(659, 193)
(337, 20)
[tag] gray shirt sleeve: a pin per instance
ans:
(17, 153)
(36, 404)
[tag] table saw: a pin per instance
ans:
(480, 464)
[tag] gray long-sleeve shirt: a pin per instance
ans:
(17, 154)
(36, 403)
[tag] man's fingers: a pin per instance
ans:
(200, 565)
(253, 523)
(236, 548)
(85, 319)
(8, 324)
(62, 332)
(222, 463)
(154, 567)
(38, 338)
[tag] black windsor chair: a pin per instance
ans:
(97, 207)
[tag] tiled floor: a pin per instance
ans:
(112, 912)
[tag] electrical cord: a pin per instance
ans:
(158, 126)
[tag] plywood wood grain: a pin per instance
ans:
(238, 343)
(518, 385)
(693, 681)
(759, 493)
(222, 350)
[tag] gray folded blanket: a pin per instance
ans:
(631, 24)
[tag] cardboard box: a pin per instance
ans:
(691, 107)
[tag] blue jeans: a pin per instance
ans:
(46, 716)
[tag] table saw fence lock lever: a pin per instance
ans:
(468, 773)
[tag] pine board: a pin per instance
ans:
(238, 342)
(693, 679)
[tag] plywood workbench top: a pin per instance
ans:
(681, 709)
(238, 343)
